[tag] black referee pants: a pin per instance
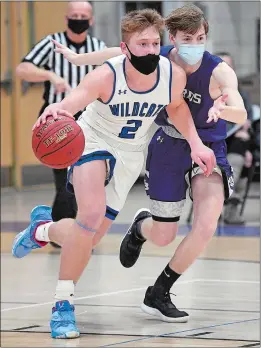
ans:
(64, 204)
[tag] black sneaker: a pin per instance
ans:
(160, 305)
(131, 245)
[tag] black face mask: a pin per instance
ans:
(144, 64)
(78, 26)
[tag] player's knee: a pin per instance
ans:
(164, 233)
(164, 240)
(207, 228)
(91, 215)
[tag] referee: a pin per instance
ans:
(42, 64)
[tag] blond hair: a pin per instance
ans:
(137, 21)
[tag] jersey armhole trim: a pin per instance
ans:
(114, 84)
(170, 80)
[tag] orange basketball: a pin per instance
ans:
(58, 143)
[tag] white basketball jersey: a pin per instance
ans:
(128, 115)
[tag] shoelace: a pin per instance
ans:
(167, 296)
(65, 317)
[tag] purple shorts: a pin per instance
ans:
(169, 171)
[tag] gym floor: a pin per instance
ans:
(220, 291)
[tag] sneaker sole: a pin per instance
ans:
(156, 313)
(19, 249)
(68, 335)
(137, 213)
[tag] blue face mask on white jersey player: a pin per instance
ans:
(191, 54)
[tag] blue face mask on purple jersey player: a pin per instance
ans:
(191, 54)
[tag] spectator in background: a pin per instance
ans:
(240, 146)
(43, 64)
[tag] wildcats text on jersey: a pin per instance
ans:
(128, 115)
(136, 109)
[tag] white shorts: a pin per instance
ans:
(123, 168)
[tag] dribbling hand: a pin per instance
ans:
(53, 110)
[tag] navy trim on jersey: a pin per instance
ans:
(94, 156)
(114, 84)
(111, 213)
(150, 90)
(165, 50)
(170, 80)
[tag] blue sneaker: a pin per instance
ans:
(63, 321)
(25, 241)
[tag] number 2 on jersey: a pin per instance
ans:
(129, 132)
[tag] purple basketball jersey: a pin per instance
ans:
(196, 95)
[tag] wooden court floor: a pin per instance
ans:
(220, 291)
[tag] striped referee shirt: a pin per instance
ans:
(43, 56)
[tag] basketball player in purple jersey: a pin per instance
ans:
(212, 95)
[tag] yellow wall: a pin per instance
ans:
(49, 17)
(6, 131)
(6, 120)
(30, 107)
(3, 6)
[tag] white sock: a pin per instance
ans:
(42, 231)
(64, 291)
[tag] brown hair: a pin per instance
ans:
(137, 21)
(188, 18)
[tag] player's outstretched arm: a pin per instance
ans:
(97, 84)
(91, 58)
(230, 105)
(180, 115)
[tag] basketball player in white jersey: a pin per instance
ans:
(123, 97)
